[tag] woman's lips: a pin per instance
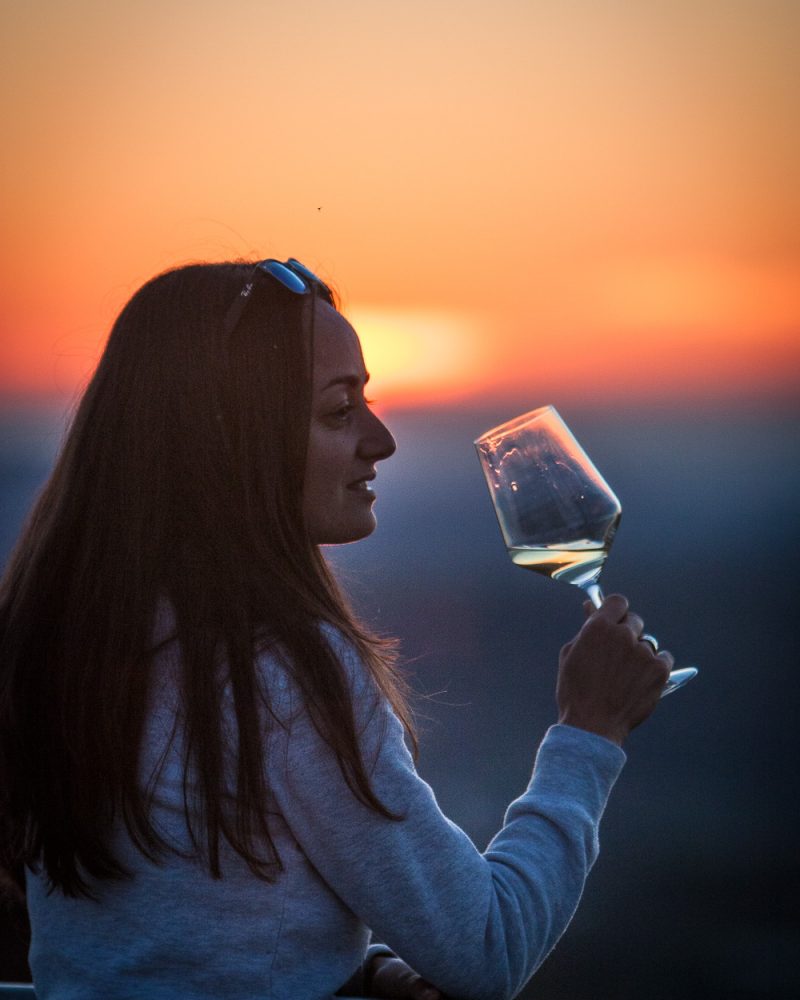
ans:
(362, 486)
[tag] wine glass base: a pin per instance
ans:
(678, 678)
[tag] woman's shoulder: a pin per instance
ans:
(282, 677)
(345, 651)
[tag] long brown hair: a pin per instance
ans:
(180, 480)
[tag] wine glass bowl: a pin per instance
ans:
(557, 514)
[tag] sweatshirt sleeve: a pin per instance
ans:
(477, 925)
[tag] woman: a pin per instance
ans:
(202, 760)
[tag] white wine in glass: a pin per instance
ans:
(557, 514)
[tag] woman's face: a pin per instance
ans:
(345, 440)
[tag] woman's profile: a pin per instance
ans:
(205, 774)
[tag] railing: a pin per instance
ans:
(24, 991)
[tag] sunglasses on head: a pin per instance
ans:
(291, 274)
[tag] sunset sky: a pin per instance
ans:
(598, 198)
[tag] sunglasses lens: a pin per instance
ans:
(309, 275)
(286, 277)
(297, 266)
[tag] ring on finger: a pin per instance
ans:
(650, 640)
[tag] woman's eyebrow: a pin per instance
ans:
(354, 381)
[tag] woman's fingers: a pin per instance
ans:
(635, 624)
(392, 977)
(614, 608)
(610, 679)
(667, 657)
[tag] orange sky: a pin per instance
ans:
(575, 198)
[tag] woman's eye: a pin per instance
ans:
(341, 413)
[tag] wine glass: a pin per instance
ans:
(557, 513)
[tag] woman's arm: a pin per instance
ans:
(475, 925)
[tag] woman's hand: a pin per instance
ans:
(391, 977)
(610, 680)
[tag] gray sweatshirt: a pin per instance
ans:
(476, 925)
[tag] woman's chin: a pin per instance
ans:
(345, 534)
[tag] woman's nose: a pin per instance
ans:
(377, 442)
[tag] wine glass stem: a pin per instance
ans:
(594, 593)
